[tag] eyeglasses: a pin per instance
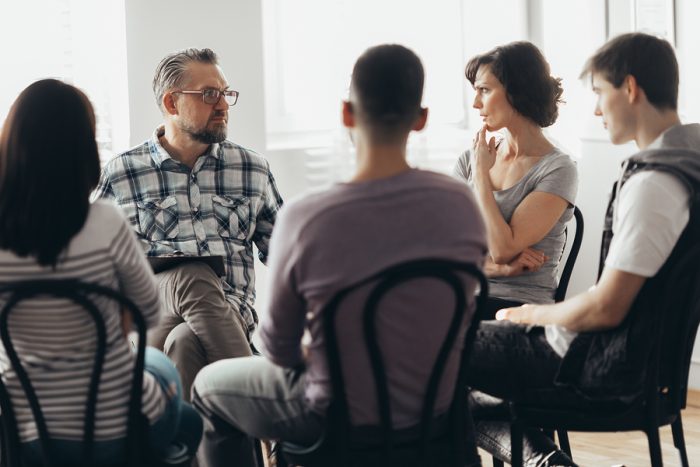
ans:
(211, 96)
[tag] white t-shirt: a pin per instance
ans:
(650, 216)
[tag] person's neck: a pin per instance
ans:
(181, 146)
(526, 139)
(653, 123)
(377, 161)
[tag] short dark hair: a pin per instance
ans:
(49, 164)
(170, 72)
(387, 84)
(524, 73)
(649, 59)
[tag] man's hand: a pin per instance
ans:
(602, 307)
(521, 314)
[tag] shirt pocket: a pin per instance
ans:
(232, 216)
(158, 218)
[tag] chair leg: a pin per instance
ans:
(679, 440)
(516, 444)
(260, 459)
(564, 444)
(654, 447)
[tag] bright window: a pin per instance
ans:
(310, 48)
(79, 41)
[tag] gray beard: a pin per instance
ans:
(207, 136)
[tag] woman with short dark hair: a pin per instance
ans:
(526, 187)
(49, 164)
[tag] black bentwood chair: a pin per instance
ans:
(677, 313)
(438, 440)
(560, 293)
(82, 294)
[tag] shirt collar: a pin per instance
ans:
(159, 155)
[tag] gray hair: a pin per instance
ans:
(170, 72)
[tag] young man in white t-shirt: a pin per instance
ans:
(555, 354)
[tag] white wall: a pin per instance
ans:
(232, 29)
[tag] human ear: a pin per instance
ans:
(348, 115)
(169, 103)
(632, 88)
(421, 120)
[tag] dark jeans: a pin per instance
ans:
(514, 362)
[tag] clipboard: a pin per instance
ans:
(163, 263)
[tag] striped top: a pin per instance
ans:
(56, 340)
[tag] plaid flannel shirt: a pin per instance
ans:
(223, 205)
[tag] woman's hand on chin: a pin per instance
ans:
(484, 153)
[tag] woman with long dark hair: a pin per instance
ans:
(49, 164)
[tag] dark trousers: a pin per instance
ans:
(514, 362)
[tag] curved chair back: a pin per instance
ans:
(80, 293)
(560, 293)
(382, 444)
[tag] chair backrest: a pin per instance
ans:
(455, 275)
(678, 320)
(80, 293)
(560, 293)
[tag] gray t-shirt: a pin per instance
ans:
(329, 240)
(555, 173)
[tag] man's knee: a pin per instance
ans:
(181, 340)
(195, 277)
(185, 350)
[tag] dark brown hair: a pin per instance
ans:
(49, 164)
(649, 59)
(524, 73)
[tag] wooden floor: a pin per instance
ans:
(631, 449)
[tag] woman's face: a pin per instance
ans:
(491, 101)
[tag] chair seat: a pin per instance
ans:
(596, 416)
(631, 418)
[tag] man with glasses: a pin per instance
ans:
(189, 191)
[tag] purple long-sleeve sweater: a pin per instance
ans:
(328, 240)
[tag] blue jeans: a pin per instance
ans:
(178, 425)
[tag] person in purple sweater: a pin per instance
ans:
(388, 213)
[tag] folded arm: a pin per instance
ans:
(534, 217)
